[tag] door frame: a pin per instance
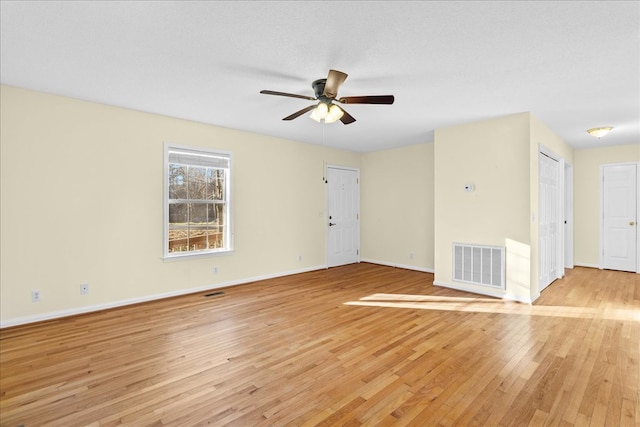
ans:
(601, 222)
(326, 216)
(568, 216)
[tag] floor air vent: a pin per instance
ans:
(214, 294)
(480, 265)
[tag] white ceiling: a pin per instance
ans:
(573, 64)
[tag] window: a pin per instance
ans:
(197, 219)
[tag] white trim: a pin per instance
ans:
(530, 301)
(562, 205)
(586, 265)
(475, 290)
(395, 265)
(569, 206)
(196, 255)
(601, 216)
(88, 309)
(637, 217)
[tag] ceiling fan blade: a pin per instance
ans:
(375, 99)
(334, 80)
(346, 118)
(299, 113)
(291, 95)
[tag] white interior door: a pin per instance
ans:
(549, 220)
(619, 217)
(343, 222)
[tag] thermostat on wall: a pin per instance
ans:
(469, 187)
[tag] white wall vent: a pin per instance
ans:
(480, 265)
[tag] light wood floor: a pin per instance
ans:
(355, 345)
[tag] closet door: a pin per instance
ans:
(549, 220)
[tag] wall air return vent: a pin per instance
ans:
(479, 265)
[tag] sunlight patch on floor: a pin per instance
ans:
(491, 305)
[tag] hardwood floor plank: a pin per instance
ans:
(361, 344)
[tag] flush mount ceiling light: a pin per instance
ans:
(599, 132)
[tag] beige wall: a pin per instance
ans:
(587, 164)
(492, 155)
(500, 158)
(397, 207)
(76, 205)
(81, 202)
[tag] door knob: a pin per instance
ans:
(632, 223)
(331, 224)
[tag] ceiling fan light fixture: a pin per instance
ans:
(320, 112)
(335, 114)
(599, 132)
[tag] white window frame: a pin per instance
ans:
(228, 226)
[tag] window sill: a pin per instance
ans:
(187, 256)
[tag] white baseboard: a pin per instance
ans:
(587, 265)
(488, 292)
(390, 264)
(91, 308)
(599, 268)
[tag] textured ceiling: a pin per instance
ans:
(574, 65)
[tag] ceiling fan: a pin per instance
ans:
(326, 91)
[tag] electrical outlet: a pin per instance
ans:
(299, 258)
(84, 289)
(35, 296)
(215, 270)
(411, 255)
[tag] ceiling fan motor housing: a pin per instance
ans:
(318, 87)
